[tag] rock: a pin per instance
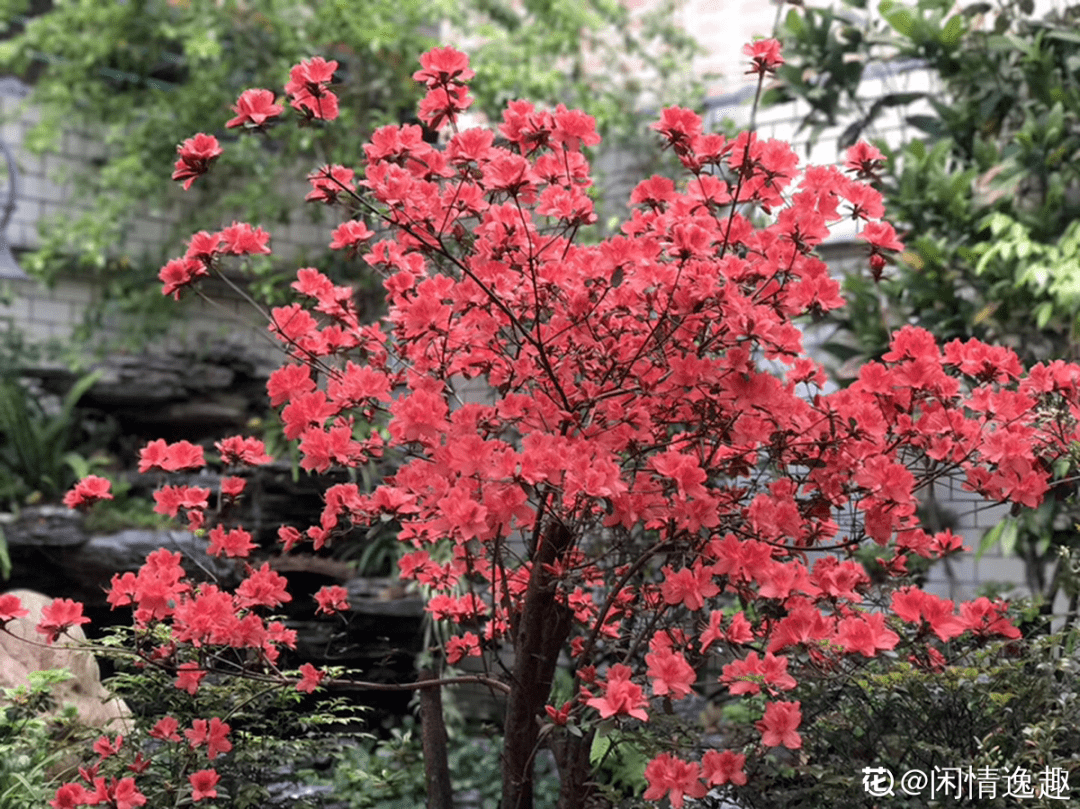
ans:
(84, 572)
(209, 389)
(44, 527)
(22, 651)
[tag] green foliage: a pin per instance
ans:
(5, 558)
(38, 457)
(157, 71)
(619, 756)
(123, 511)
(389, 773)
(277, 737)
(35, 745)
(1001, 707)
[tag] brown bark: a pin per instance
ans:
(540, 633)
(433, 738)
(572, 756)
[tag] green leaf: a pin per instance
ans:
(1063, 36)
(952, 31)
(989, 540)
(901, 19)
(5, 557)
(1043, 313)
(1009, 536)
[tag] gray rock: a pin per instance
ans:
(44, 527)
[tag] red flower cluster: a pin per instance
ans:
(307, 89)
(59, 616)
(764, 56)
(196, 155)
(88, 491)
(254, 109)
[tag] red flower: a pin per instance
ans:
(203, 783)
(689, 586)
(241, 239)
(329, 183)
(232, 487)
(289, 537)
(140, 764)
(188, 677)
(238, 450)
(673, 777)
(865, 160)
(125, 795)
(459, 646)
(165, 729)
(559, 715)
(574, 129)
(764, 55)
(104, 748)
(670, 673)
(203, 246)
(10, 608)
(211, 734)
(865, 633)
(311, 74)
(748, 675)
(234, 543)
(196, 155)
(170, 499)
(779, 725)
(722, 768)
(171, 457)
(178, 273)
(58, 616)
(307, 90)
(915, 606)
(881, 236)
(254, 108)
(331, 599)
(263, 588)
(678, 126)
(70, 796)
(621, 697)
(350, 234)
(443, 66)
(443, 104)
(88, 491)
(310, 677)
(985, 618)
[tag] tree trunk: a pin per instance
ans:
(433, 737)
(540, 633)
(572, 756)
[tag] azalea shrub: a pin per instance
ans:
(615, 464)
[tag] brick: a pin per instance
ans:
(38, 188)
(16, 311)
(23, 234)
(57, 313)
(76, 293)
